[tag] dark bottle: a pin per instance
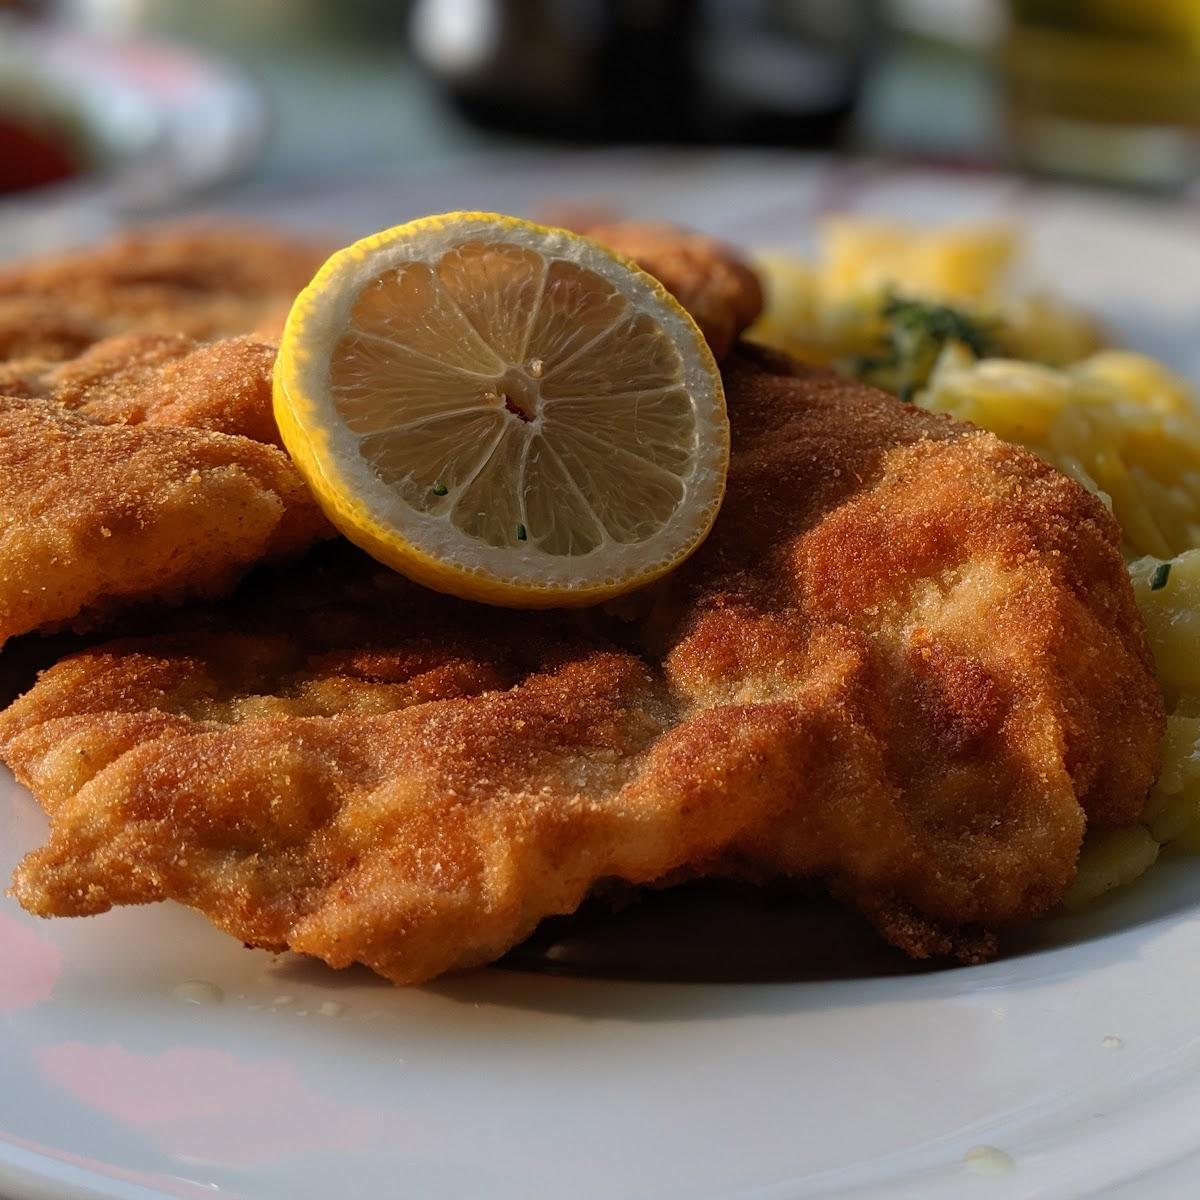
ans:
(765, 71)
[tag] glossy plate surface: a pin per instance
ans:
(142, 1054)
(159, 122)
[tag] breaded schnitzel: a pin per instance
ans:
(215, 281)
(157, 379)
(205, 282)
(147, 469)
(100, 509)
(907, 663)
(705, 275)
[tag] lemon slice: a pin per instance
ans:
(504, 412)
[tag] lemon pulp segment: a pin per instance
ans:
(503, 411)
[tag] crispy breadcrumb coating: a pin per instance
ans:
(204, 282)
(906, 663)
(145, 470)
(704, 274)
(99, 517)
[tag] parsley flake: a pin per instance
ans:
(915, 332)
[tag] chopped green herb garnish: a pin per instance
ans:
(937, 322)
(1158, 580)
(520, 532)
(440, 489)
(915, 333)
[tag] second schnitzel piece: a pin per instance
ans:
(705, 275)
(205, 282)
(220, 280)
(907, 663)
(147, 469)
(157, 379)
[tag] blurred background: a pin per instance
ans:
(137, 104)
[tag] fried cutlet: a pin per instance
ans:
(704, 274)
(141, 467)
(204, 282)
(214, 281)
(158, 379)
(147, 469)
(906, 663)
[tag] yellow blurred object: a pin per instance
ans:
(800, 317)
(1171, 19)
(1040, 328)
(1106, 89)
(1168, 594)
(1111, 858)
(1172, 613)
(830, 310)
(1119, 423)
(952, 264)
(1149, 382)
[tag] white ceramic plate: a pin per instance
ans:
(142, 1054)
(163, 120)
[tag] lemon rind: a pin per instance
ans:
(370, 514)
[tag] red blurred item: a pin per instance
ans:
(31, 157)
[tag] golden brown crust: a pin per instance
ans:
(205, 282)
(68, 486)
(215, 281)
(159, 379)
(906, 663)
(98, 518)
(704, 274)
(143, 470)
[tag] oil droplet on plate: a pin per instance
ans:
(988, 1160)
(331, 1008)
(280, 1001)
(197, 991)
(1112, 1042)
